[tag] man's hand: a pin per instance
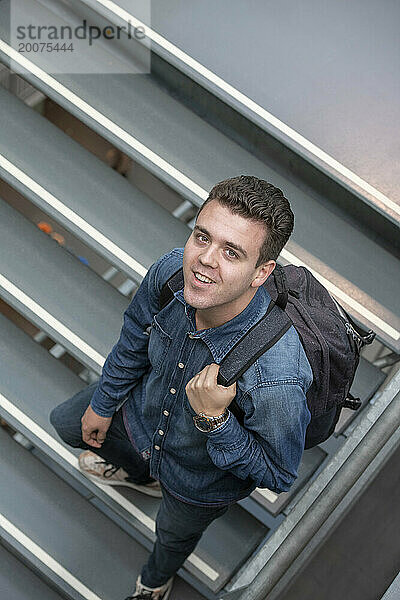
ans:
(206, 396)
(94, 428)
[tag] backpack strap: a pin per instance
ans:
(281, 286)
(172, 285)
(260, 338)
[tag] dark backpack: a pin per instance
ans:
(330, 338)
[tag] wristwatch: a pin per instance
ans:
(206, 423)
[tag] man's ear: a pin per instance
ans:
(263, 272)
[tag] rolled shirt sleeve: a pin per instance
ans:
(269, 446)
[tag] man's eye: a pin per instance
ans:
(231, 253)
(201, 237)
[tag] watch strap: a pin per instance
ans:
(211, 422)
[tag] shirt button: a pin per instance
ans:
(160, 431)
(173, 391)
(166, 413)
(181, 365)
(157, 447)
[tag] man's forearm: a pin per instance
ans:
(233, 448)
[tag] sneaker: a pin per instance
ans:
(143, 592)
(98, 470)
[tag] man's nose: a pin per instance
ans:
(209, 257)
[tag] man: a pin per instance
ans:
(174, 427)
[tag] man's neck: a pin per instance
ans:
(216, 316)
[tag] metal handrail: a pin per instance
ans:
(323, 506)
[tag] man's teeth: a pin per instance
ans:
(203, 278)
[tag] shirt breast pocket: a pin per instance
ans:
(159, 344)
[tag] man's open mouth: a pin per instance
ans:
(202, 278)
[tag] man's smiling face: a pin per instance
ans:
(219, 264)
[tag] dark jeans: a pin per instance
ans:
(179, 525)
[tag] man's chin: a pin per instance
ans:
(194, 299)
(189, 297)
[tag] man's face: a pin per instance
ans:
(219, 263)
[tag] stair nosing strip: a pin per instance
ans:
(72, 216)
(54, 323)
(46, 559)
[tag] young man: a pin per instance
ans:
(158, 416)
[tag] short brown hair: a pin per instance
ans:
(257, 200)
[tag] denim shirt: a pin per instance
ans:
(156, 356)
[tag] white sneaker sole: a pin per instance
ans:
(134, 486)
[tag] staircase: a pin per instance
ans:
(65, 285)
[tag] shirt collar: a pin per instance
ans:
(221, 339)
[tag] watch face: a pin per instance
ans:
(203, 424)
